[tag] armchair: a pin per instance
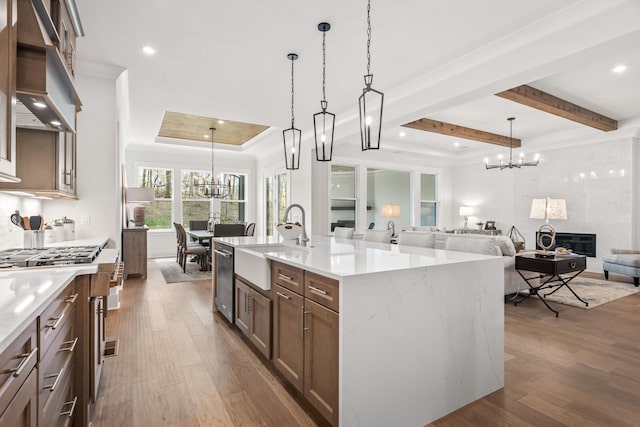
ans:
(623, 261)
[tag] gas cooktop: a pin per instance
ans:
(48, 256)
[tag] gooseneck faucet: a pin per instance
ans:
(303, 239)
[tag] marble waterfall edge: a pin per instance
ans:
(420, 343)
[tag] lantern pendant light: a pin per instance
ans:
(324, 121)
(370, 101)
(291, 137)
(217, 188)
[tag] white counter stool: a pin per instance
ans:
(382, 236)
(343, 232)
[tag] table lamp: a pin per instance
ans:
(466, 212)
(391, 210)
(547, 209)
(139, 195)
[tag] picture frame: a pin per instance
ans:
(490, 225)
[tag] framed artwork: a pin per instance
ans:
(490, 225)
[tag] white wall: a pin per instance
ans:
(596, 179)
(97, 163)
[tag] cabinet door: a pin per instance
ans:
(23, 410)
(96, 354)
(243, 318)
(260, 312)
(321, 359)
(8, 43)
(288, 344)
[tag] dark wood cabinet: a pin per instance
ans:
(8, 49)
(321, 359)
(46, 163)
(288, 342)
(253, 316)
(98, 334)
(134, 251)
(23, 409)
(306, 335)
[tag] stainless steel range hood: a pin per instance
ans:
(44, 84)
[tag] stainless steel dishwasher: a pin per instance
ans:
(224, 279)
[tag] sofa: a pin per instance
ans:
(623, 261)
(476, 243)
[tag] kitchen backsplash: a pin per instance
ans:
(11, 236)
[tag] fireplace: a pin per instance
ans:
(579, 243)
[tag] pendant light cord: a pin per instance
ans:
(368, 36)
(511, 139)
(324, 67)
(292, 92)
(212, 175)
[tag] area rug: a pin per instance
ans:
(595, 292)
(172, 272)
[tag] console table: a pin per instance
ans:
(552, 268)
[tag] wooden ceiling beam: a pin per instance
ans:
(535, 98)
(461, 132)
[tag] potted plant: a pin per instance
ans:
(479, 224)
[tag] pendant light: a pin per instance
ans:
(324, 121)
(217, 188)
(370, 101)
(291, 137)
(511, 164)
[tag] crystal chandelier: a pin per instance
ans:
(370, 102)
(291, 137)
(511, 164)
(324, 121)
(216, 187)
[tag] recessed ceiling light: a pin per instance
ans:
(55, 123)
(40, 104)
(221, 122)
(456, 144)
(619, 69)
(403, 134)
(149, 50)
(205, 136)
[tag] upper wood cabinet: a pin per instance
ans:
(46, 162)
(8, 43)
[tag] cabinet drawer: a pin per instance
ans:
(287, 276)
(22, 411)
(16, 362)
(571, 264)
(55, 316)
(52, 367)
(322, 290)
(55, 406)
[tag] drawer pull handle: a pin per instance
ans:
(72, 298)
(25, 361)
(55, 383)
(284, 276)
(56, 321)
(72, 347)
(223, 253)
(572, 265)
(283, 295)
(304, 314)
(69, 413)
(249, 303)
(320, 291)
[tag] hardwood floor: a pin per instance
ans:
(180, 365)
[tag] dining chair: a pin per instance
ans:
(382, 236)
(186, 248)
(343, 232)
(198, 224)
(228, 230)
(251, 228)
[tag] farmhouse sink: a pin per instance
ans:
(251, 263)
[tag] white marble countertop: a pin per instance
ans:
(339, 258)
(24, 294)
(80, 242)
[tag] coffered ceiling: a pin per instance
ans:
(439, 60)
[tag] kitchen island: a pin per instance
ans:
(421, 331)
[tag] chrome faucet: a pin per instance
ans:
(303, 239)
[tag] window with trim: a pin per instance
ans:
(275, 201)
(232, 208)
(158, 213)
(428, 202)
(194, 207)
(388, 187)
(343, 196)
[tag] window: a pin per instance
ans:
(343, 196)
(194, 207)
(282, 196)
(385, 187)
(268, 196)
(428, 203)
(158, 213)
(275, 201)
(232, 208)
